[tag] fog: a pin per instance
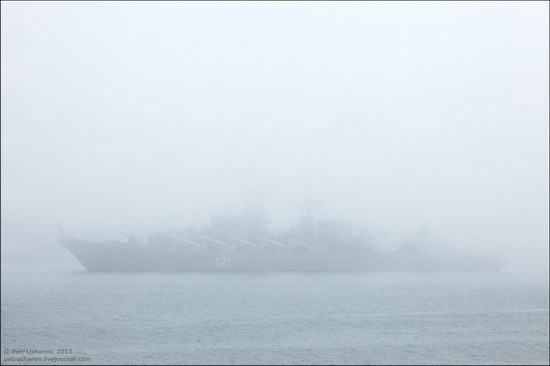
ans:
(399, 117)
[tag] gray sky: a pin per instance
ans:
(393, 115)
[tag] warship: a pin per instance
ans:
(243, 242)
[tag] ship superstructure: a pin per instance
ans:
(243, 242)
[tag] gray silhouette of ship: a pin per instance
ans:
(243, 242)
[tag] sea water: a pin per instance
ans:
(71, 316)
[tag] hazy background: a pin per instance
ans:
(398, 116)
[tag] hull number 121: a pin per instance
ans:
(223, 261)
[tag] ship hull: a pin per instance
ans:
(119, 256)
